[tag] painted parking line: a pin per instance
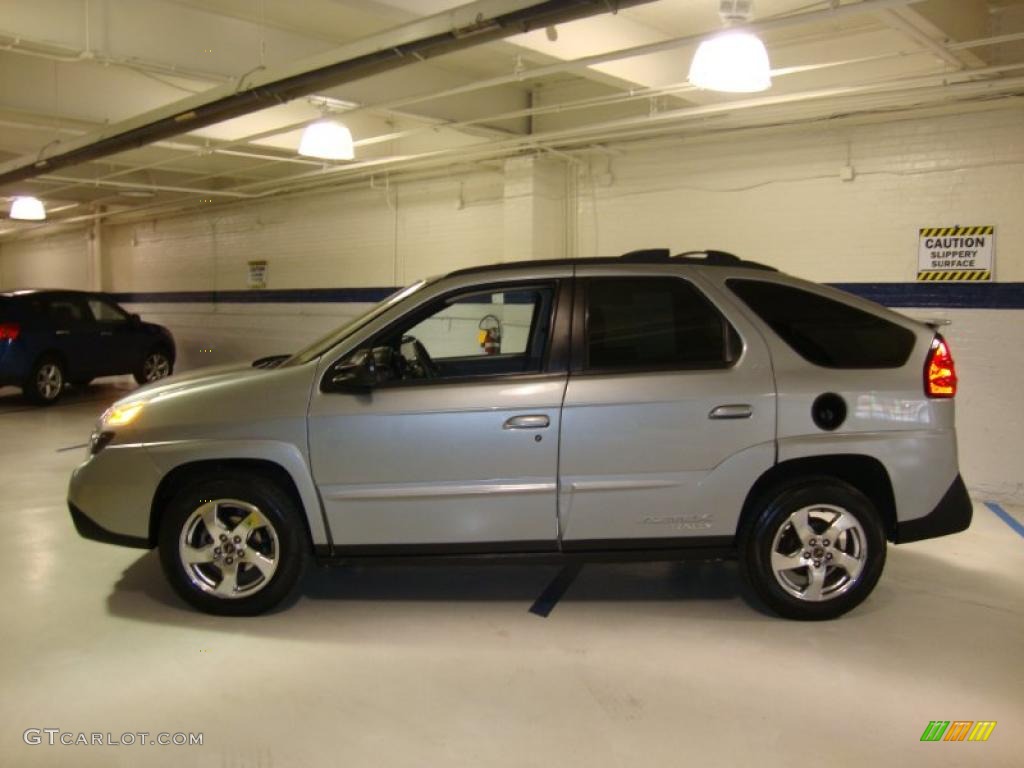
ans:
(1006, 517)
(554, 591)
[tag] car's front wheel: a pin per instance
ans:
(46, 381)
(815, 549)
(156, 365)
(233, 544)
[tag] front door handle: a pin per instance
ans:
(63, 333)
(535, 421)
(737, 411)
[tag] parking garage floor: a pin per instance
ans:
(428, 666)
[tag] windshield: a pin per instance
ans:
(324, 343)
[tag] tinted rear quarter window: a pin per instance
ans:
(655, 322)
(826, 332)
(18, 308)
(64, 311)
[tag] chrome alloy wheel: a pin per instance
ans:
(156, 366)
(229, 548)
(819, 553)
(49, 381)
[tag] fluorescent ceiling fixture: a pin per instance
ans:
(732, 62)
(28, 209)
(327, 139)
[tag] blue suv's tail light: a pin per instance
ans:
(9, 331)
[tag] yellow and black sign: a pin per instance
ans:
(940, 275)
(956, 254)
(956, 231)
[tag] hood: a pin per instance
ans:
(200, 378)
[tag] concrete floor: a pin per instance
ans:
(637, 665)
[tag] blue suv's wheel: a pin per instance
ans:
(45, 384)
(155, 365)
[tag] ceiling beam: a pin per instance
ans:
(937, 24)
(463, 27)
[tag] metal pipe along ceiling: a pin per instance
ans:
(464, 27)
(832, 14)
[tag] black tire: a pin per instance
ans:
(157, 364)
(820, 589)
(198, 583)
(45, 383)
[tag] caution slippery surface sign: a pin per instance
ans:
(955, 254)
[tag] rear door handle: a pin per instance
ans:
(106, 333)
(534, 421)
(63, 333)
(737, 411)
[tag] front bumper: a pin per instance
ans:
(89, 529)
(110, 495)
(951, 515)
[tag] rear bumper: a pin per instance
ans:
(951, 515)
(14, 364)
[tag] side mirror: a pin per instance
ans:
(356, 374)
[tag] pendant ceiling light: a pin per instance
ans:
(733, 61)
(327, 139)
(28, 209)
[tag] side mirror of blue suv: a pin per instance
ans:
(52, 339)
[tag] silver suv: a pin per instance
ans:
(646, 407)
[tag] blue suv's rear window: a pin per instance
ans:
(826, 332)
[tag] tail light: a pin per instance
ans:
(940, 370)
(9, 331)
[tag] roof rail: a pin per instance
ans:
(708, 258)
(648, 254)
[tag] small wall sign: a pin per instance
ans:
(257, 274)
(956, 254)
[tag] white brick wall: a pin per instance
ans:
(773, 196)
(60, 261)
(778, 198)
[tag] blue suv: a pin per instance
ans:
(49, 339)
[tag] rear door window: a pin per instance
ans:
(826, 332)
(653, 323)
(66, 311)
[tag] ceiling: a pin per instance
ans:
(70, 68)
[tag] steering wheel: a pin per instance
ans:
(422, 364)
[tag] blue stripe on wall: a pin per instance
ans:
(948, 295)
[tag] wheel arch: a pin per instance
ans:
(190, 471)
(54, 353)
(865, 473)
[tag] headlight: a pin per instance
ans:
(121, 415)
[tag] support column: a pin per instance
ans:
(535, 208)
(96, 255)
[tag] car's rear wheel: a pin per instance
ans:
(156, 365)
(45, 384)
(233, 544)
(815, 549)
